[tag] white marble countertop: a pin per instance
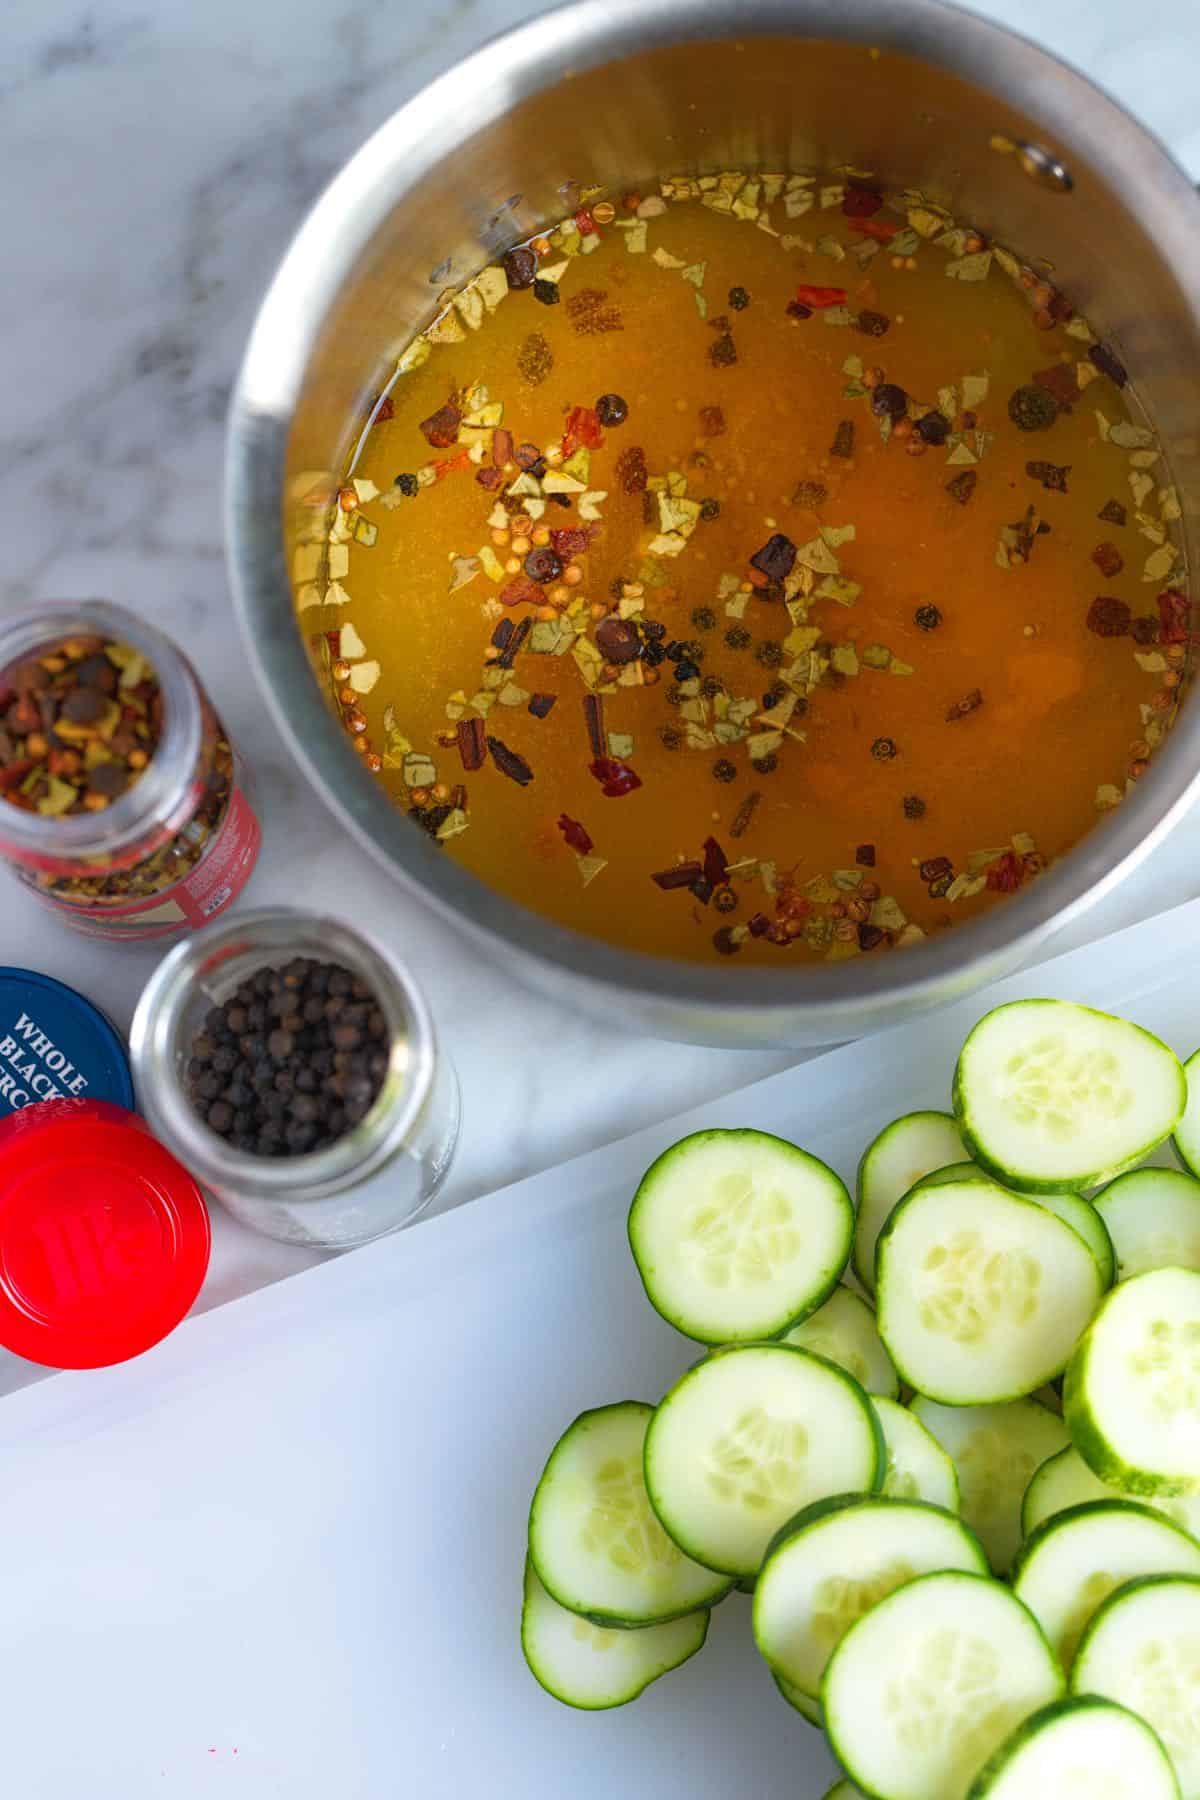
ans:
(159, 155)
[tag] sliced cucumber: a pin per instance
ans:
(835, 1561)
(1187, 1132)
(737, 1235)
(594, 1540)
(589, 1666)
(800, 1702)
(843, 1330)
(1072, 1563)
(1049, 1095)
(1132, 1393)
(928, 1685)
(996, 1450)
(748, 1437)
(917, 1466)
(1065, 1480)
(1086, 1222)
(844, 1790)
(1071, 1208)
(904, 1152)
(1078, 1749)
(1143, 1649)
(1153, 1219)
(982, 1295)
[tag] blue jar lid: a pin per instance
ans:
(55, 1043)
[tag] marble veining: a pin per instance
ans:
(158, 157)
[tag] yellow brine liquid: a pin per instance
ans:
(770, 570)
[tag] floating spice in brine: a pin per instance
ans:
(748, 604)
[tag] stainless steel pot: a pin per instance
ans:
(619, 92)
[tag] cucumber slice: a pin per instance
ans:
(1073, 1562)
(1141, 1649)
(904, 1152)
(928, 1685)
(1078, 1749)
(982, 1295)
(1071, 1208)
(996, 1450)
(1065, 1480)
(1153, 1219)
(1049, 1095)
(589, 1666)
(748, 1437)
(834, 1561)
(1132, 1392)
(843, 1331)
(917, 1466)
(1086, 1223)
(800, 1702)
(594, 1540)
(737, 1235)
(844, 1790)
(1187, 1132)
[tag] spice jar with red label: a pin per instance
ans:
(123, 804)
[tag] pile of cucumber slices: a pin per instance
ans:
(962, 1482)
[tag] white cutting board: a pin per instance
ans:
(281, 1555)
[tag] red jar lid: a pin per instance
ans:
(104, 1236)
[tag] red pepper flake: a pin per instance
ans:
(585, 224)
(472, 743)
(593, 718)
(490, 479)
(441, 428)
(615, 777)
(1059, 380)
(861, 202)
(448, 464)
(631, 471)
(715, 862)
(879, 229)
(577, 836)
(570, 540)
(1174, 614)
(521, 591)
(759, 925)
(509, 763)
(384, 411)
(680, 875)
(1108, 617)
(818, 298)
(516, 642)
(1108, 560)
(1005, 875)
(712, 421)
(583, 427)
(934, 868)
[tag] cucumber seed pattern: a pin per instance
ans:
(943, 1700)
(1059, 1089)
(1165, 1679)
(840, 1601)
(621, 1524)
(760, 1462)
(742, 1234)
(1169, 1365)
(900, 1483)
(968, 1287)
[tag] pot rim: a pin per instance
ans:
(527, 59)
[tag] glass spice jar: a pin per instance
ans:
(123, 805)
(384, 1170)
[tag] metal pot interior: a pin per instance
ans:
(619, 95)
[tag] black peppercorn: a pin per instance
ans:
(737, 637)
(883, 749)
(928, 617)
(739, 299)
(703, 617)
(611, 409)
(724, 770)
(407, 484)
(914, 806)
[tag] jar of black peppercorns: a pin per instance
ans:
(292, 1065)
(123, 804)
